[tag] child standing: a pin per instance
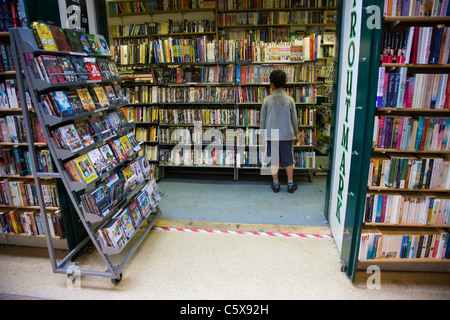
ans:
(278, 113)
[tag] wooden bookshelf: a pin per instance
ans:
(416, 219)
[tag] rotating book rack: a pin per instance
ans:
(24, 47)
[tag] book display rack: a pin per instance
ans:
(94, 150)
(407, 209)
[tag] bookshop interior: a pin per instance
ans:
(121, 116)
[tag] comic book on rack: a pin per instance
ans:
(85, 132)
(70, 138)
(59, 99)
(98, 161)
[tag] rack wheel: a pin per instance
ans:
(89, 249)
(116, 281)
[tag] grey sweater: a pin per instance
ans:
(278, 112)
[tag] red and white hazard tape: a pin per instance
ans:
(271, 234)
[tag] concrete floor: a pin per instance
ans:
(186, 265)
(244, 202)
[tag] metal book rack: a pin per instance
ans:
(23, 45)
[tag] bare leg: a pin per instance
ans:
(290, 173)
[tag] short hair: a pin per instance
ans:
(278, 78)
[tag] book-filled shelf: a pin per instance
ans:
(20, 222)
(219, 85)
(407, 209)
(218, 72)
(75, 88)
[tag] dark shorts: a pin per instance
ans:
(286, 152)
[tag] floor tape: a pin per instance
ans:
(270, 234)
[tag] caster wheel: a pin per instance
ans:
(89, 249)
(117, 281)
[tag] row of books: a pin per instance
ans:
(53, 69)
(149, 133)
(97, 162)
(196, 94)
(212, 74)
(109, 194)
(20, 193)
(132, 51)
(395, 209)
(398, 90)
(203, 116)
(165, 27)
(250, 137)
(55, 38)
(154, 5)
(242, 94)
(201, 50)
(16, 161)
(255, 159)
(141, 114)
(151, 153)
(64, 103)
(261, 74)
(271, 4)
(12, 129)
(417, 45)
(306, 116)
(413, 8)
(12, 14)
(77, 136)
(6, 60)
(141, 94)
(412, 244)
(25, 221)
(303, 94)
(117, 232)
(248, 117)
(251, 159)
(9, 95)
(409, 172)
(407, 133)
(271, 18)
(250, 94)
(180, 135)
(305, 137)
(188, 157)
(304, 159)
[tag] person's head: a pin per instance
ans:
(278, 79)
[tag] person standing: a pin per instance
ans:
(278, 113)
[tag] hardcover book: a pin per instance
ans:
(74, 40)
(60, 38)
(98, 161)
(62, 103)
(67, 69)
(70, 138)
(102, 45)
(44, 36)
(95, 47)
(53, 69)
(86, 99)
(84, 166)
(80, 69)
(108, 154)
(92, 68)
(85, 132)
(101, 97)
(127, 223)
